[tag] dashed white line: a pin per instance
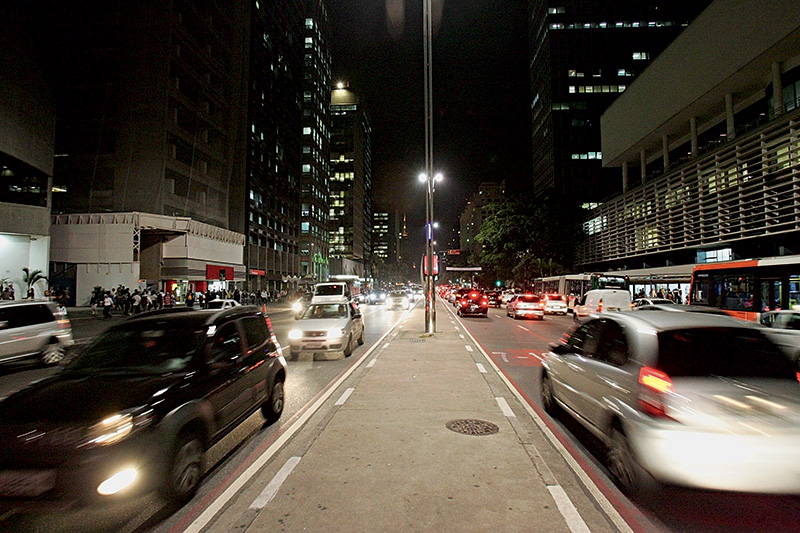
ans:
(345, 396)
(462, 337)
(574, 521)
(481, 368)
(271, 489)
(522, 327)
(505, 407)
(468, 347)
(539, 357)
(369, 365)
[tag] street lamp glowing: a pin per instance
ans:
(423, 177)
(438, 177)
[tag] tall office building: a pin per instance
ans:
(315, 179)
(272, 218)
(351, 185)
(584, 53)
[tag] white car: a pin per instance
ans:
(327, 328)
(222, 303)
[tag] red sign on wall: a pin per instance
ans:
(219, 272)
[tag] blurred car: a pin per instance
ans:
(331, 292)
(457, 294)
(554, 304)
(690, 399)
(525, 306)
(222, 303)
(377, 297)
(506, 296)
(639, 302)
(397, 299)
(602, 301)
(326, 328)
(472, 302)
(494, 298)
(30, 328)
(781, 319)
(138, 408)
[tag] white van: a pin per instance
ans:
(331, 292)
(601, 301)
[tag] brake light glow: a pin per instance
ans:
(600, 306)
(655, 379)
(655, 386)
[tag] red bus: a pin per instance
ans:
(747, 288)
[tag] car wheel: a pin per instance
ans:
(548, 396)
(627, 473)
(348, 349)
(273, 407)
(53, 352)
(185, 469)
(361, 337)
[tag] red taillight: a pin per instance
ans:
(484, 303)
(464, 303)
(655, 384)
(600, 306)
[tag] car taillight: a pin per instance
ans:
(655, 384)
(484, 303)
(464, 303)
(600, 306)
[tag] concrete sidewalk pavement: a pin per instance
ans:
(424, 435)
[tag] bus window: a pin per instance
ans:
(735, 292)
(794, 291)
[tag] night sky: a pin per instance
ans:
(481, 97)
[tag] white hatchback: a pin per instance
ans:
(327, 329)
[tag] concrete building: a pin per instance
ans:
(27, 131)
(315, 178)
(705, 145)
(351, 185)
(584, 53)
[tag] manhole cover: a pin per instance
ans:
(472, 427)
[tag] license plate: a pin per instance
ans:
(312, 346)
(26, 483)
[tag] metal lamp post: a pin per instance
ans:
(430, 301)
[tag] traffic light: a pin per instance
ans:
(498, 283)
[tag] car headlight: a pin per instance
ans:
(117, 427)
(389, 302)
(336, 333)
(297, 306)
(295, 334)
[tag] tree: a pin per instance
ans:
(31, 277)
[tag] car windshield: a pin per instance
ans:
(142, 349)
(216, 304)
(325, 311)
(555, 297)
(726, 352)
(528, 299)
(329, 290)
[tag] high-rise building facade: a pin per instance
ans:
(584, 53)
(351, 185)
(315, 178)
(272, 218)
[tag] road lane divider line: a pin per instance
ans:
(505, 407)
(522, 327)
(274, 485)
(462, 337)
(372, 362)
(468, 347)
(481, 368)
(214, 502)
(343, 398)
(610, 511)
(537, 356)
(574, 521)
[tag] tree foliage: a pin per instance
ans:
(524, 238)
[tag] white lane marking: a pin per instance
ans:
(522, 327)
(386, 345)
(574, 521)
(593, 489)
(468, 347)
(371, 363)
(505, 407)
(463, 338)
(539, 357)
(503, 355)
(344, 396)
(481, 368)
(256, 465)
(271, 489)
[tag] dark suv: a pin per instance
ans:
(136, 410)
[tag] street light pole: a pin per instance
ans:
(430, 300)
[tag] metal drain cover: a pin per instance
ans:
(471, 426)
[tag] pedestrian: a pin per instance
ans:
(93, 302)
(168, 299)
(107, 303)
(137, 302)
(190, 300)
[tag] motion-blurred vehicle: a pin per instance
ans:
(456, 295)
(222, 303)
(34, 329)
(332, 292)
(397, 299)
(472, 302)
(602, 301)
(327, 328)
(788, 319)
(377, 297)
(138, 408)
(639, 302)
(494, 298)
(691, 399)
(525, 306)
(554, 304)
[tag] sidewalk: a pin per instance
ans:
(379, 456)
